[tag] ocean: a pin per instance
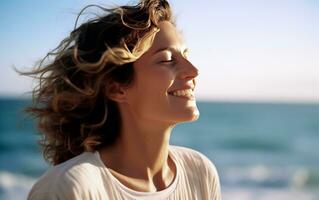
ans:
(262, 151)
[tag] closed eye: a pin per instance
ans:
(167, 61)
(171, 61)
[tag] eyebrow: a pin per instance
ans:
(170, 49)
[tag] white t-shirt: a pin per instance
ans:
(86, 177)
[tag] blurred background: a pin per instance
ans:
(258, 91)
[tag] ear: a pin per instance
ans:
(116, 92)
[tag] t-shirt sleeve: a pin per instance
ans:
(56, 189)
(201, 172)
(212, 178)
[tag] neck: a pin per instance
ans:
(141, 151)
(147, 152)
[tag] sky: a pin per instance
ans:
(247, 50)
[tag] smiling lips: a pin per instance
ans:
(189, 93)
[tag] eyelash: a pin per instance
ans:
(168, 61)
(173, 60)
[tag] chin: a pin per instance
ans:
(195, 117)
(190, 118)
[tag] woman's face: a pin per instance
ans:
(163, 69)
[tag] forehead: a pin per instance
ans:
(167, 37)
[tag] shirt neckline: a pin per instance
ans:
(144, 195)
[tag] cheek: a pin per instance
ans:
(158, 79)
(153, 92)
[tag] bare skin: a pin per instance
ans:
(140, 158)
(139, 165)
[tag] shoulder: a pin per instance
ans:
(193, 158)
(67, 180)
(199, 168)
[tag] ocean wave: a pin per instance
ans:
(262, 176)
(14, 186)
(267, 194)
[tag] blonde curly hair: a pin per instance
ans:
(70, 102)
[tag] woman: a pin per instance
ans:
(106, 105)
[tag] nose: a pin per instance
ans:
(188, 70)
